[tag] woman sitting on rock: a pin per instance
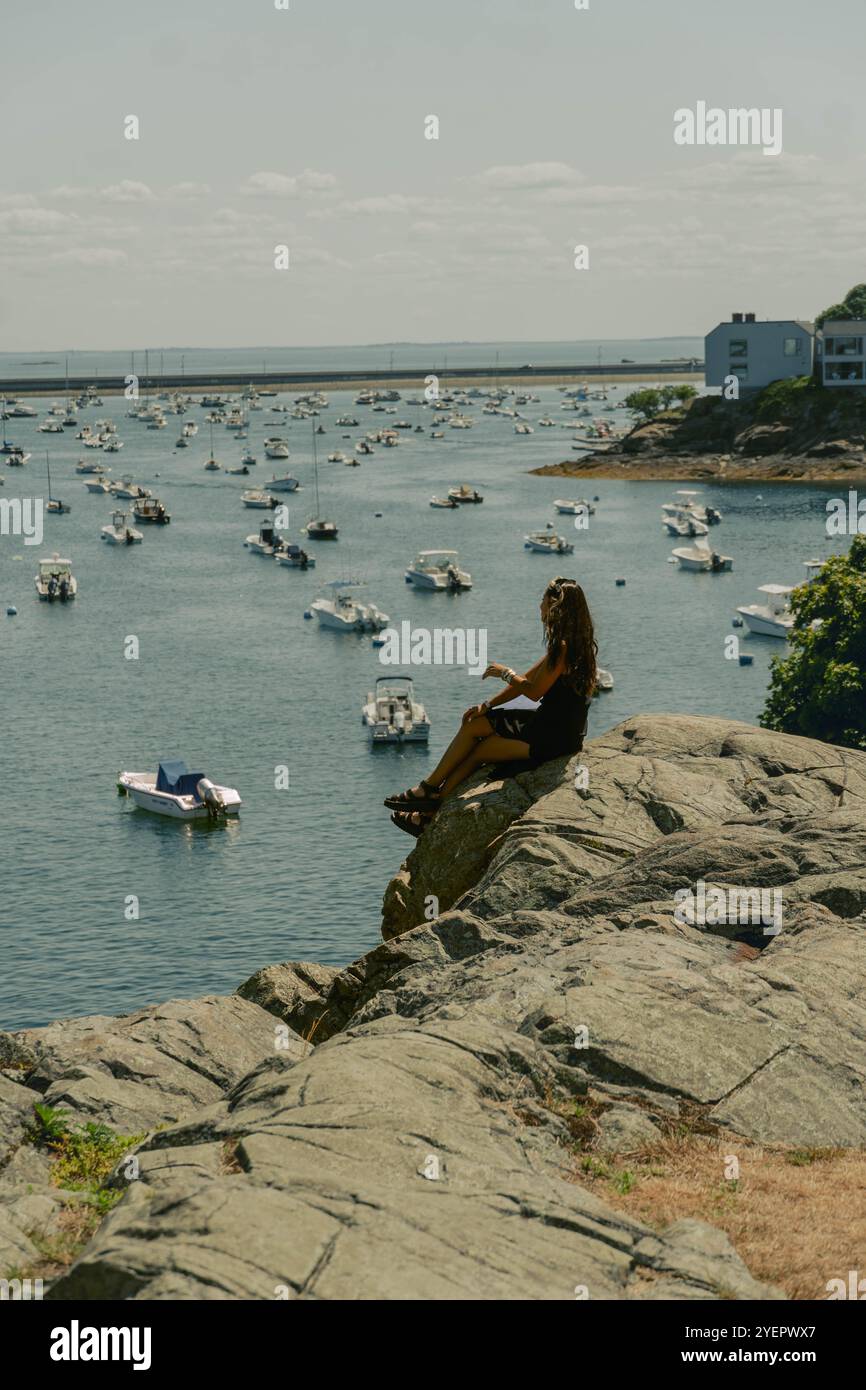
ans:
(564, 683)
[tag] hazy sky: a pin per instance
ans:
(305, 127)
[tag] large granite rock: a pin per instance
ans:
(419, 1151)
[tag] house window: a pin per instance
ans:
(843, 371)
(793, 347)
(738, 348)
(843, 347)
(739, 369)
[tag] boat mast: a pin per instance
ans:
(316, 469)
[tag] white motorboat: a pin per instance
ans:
(284, 483)
(16, 458)
(150, 510)
(447, 502)
(465, 493)
(98, 484)
(393, 715)
(173, 791)
(548, 543)
(774, 618)
(522, 428)
(50, 426)
(126, 488)
(603, 681)
(340, 611)
(83, 466)
(248, 458)
(294, 558)
(267, 542)
(701, 556)
(118, 533)
(181, 442)
(547, 423)
(55, 581)
(684, 523)
(338, 457)
(113, 446)
(254, 497)
(574, 507)
(438, 569)
(276, 448)
(190, 429)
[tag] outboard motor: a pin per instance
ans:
(211, 797)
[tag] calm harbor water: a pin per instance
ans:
(232, 678)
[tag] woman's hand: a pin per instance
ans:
(473, 713)
(497, 670)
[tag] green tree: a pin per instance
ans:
(646, 402)
(853, 306)
(684, 392)
(819, 689)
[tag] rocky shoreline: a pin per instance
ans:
(791, 432)
(424, 1123)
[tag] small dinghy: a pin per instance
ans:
(448, 502)
(174, 791)
(465, 493)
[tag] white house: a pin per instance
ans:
(841, 358)
(758, 353)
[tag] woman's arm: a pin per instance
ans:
(535, 683)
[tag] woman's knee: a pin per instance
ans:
(480, 726)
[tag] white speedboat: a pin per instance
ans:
(276, 448)
(267, 542)
(150, 510)
(16, 458)
(248, 458)
(284, 483)
(118, 533)
(684, 523)
(101, 485)
(339, 609)
(393, 715)
(126, 488)
(548, 543)
(701, 556)
(55, 581)
(173, 791)
(438, 569)
(181, 442)
(84, 466)
(254, 497)
(447, 502)
(465, 493)
(773, 618)
(113, 446)
(338, 457)
(603, 680)
(522, 428)
(292, 557)
(574, 507)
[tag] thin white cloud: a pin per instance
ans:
(268, 184)
(127, 191)
(508, 178)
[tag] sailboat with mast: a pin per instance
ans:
(318, 529)
(212, 466)
(54, 504)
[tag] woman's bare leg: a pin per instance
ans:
(494, 749)
(457, 751)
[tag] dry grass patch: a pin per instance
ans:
(797, 1217)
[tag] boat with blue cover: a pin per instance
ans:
(175, 791)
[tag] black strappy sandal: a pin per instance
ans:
(403, 821)
(406, 801)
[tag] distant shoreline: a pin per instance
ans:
(199, 383)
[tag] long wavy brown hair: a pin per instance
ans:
(569, 624)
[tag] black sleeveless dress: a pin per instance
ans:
(557, 728)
